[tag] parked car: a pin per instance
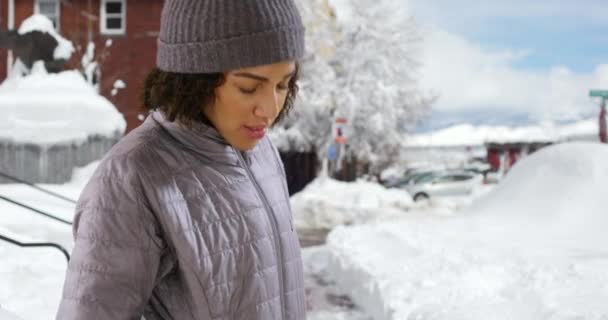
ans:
(406, 179)
(443, 184)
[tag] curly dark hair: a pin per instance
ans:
(181, 95)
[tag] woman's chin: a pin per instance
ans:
(244, 145)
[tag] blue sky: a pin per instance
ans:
(555, 46)
(573, 42)
(572, 33)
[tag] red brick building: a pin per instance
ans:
(132, 26)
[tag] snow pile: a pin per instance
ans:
(326, 203)
(324, 300)
(556, 193)
(55, 108)
(533, 248)
(39, 22)
(469, 135)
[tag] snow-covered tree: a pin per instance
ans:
(360, 65)
(377, 70)
(308, 128)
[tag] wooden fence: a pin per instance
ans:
(50, 164)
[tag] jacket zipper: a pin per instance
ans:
(275, 229)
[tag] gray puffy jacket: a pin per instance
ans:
(176, 224)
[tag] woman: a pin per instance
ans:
(188, 216)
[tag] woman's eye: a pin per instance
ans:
(282, 87)
(247, 91)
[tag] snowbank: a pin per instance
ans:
(533, 248)
(49, 109)
(557, 193)
(326, 203)
(39, 22)
(468, 135)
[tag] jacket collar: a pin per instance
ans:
(202, 139)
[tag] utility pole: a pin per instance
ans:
(603, 134)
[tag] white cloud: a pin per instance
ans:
(469, 77)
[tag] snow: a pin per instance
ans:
(558, 190)
(344, 11)
(320, 289)
(368, 76)
(518, 252)
(326, 203)
(89, 54)
(4, 315)
(526, 250)
(47, 109)
(39, 22)
(32, 279)
(291, 139)
(118, 84)
(469, 135)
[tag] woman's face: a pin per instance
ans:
(248, 102)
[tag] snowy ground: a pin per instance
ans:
(325, 300)
(533, 248)
(32, 278)
(326, 203)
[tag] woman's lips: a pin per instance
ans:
(255, 132)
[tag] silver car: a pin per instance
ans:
(443, 184)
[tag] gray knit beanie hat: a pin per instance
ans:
(207, 36)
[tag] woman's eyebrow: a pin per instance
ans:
(260, 78)
(251, 76)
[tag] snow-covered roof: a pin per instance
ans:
(469, 135)
(38, 22)
(55, 108)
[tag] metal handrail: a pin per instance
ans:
(37, 244)
(54, 194)
(48, 215)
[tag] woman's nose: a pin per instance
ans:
(269, 106)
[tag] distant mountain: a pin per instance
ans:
(438, 120)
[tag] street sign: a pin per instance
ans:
(332, 152)
(599, 93)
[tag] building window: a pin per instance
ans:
(113, 17)
(50, 9)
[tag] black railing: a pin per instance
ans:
(48, 215)
(40, 212)
(36, 245)
(49, 192)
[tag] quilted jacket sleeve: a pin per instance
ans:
(116, 254)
